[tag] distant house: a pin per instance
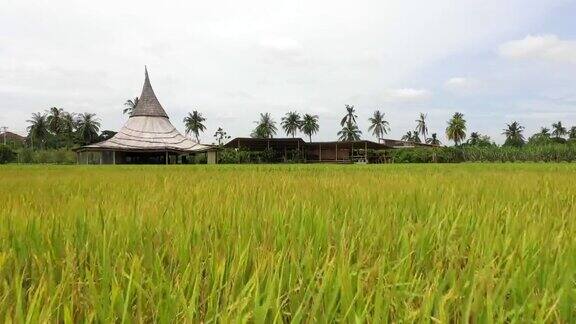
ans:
(326, 152)
(12, 139)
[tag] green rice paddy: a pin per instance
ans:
(288, 243)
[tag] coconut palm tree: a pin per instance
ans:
(38, 129)
(378, 125)
(130, 105)
(221, 135)
(572, 132)
(411, 136)
(421, 127)
(540, 138)
(291, 123)
(193, 123)
(558, 130)
(68, 127)
(513, 133)
(265, 127)
(350, 116)
(309, 125)
(456, 129)
(54, 118)
(474, 138)
(544, 131)
(87, 126)
(407, 137)
(433, 140)
(350, 132)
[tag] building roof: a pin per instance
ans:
(262, 143)
(11, 137)
(148, 129)
(360, 144)
(148, 104)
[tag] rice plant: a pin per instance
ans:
(288, 243)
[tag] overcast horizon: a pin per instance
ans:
(495, 62)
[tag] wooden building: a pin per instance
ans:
(327, 152)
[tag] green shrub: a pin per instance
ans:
(26, 155)
(528, 153)
(7, 155)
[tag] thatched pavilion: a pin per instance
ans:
(147, 137)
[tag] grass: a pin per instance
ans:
(300, 243)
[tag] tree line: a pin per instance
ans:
(56, 128)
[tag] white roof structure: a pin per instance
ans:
(148, 130)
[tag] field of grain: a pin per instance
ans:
(288, 243)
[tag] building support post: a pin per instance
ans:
(352, 152)
(319, 152)
(166, 157)
(114, 157)
(366, 152)
(336, 158)
(299, 153)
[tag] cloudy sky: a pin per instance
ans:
(496, 61)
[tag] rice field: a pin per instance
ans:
(288, 243)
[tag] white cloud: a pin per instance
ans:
(281, 44)
(406, 94)
(547, 47)
(284, 50)
(461, 84)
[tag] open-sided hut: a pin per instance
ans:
(147, 137)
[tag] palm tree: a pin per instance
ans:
(540, 138)
(38, 129)
(378, 125)
(421, 126)
(130, 105)
(350, 116)
(544, 131)
(309, 125)
(194, 124)
(55, 120)
(350, 132)
(513, 133)
(477, 139)
(68, 127)
(433, 140)
(407, 137)
(559, 130)
(572, 132)
(291, 123)
(88, 127)
(221, 135)
(265, 127)
(411, 136)
(456, 129)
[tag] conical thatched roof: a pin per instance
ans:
(148, 104)
(149, 129)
